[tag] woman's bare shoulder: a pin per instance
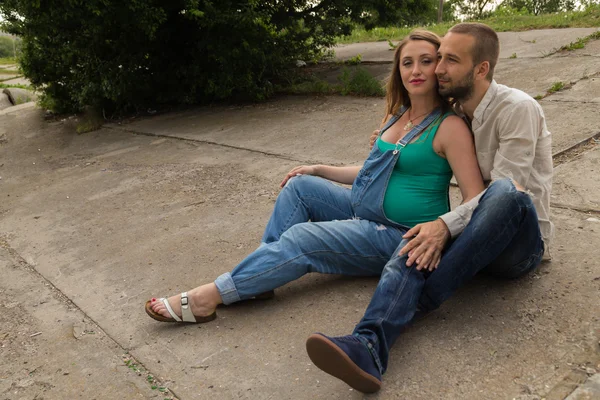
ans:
(454, 125)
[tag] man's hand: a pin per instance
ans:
(425, 247)
(373, 138)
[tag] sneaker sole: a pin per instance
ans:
(331, 359)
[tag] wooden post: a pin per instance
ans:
(440, 11)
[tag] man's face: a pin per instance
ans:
(455, 70)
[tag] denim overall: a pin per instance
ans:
(369, 187)
(348, 232)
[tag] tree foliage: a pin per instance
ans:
(537, 7)
(6, 47)
(132, 54)
(471, 9)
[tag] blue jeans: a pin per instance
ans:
(503, 238)
(334, 242)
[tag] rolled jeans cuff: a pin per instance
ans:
(227, 289)
(372, 351)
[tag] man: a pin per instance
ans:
(503, 231)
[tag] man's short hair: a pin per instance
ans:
(487, 45)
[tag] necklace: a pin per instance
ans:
(409, 125)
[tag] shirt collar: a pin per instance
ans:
(459, 111)
(485, 102)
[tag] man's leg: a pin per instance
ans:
(307, 198)
(503, 238)
(361, 359)
(504, 216)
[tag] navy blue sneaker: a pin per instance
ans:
(346, 358)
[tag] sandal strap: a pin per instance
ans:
(170, 310)
(186, 311)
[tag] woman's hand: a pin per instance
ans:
(301, 170)
(373, 138)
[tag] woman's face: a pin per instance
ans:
(418, 60)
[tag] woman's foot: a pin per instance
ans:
(202, 301)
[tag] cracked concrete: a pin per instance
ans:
(50, 349)
(528, 44)
(111, 218)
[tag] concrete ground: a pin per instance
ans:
(93, 225)
(528, 44)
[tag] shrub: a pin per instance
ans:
(6, 47)
(128, 55)
(360, 82)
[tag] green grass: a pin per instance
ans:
(575, 19)
(578, 44)
(14, 85)
(556, 86)
(7, 61)
(581, 42)
(357, 59)
(90, 121)
(5, 71)
(381, 34)
(352, 82)
(360, 83)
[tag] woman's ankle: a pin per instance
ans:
(208, 295)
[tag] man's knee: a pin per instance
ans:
(396, 265)
(502, 195)
(501, 187)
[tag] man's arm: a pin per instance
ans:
(518, 132)
(457, 219)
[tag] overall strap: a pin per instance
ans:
(393, 120)
(419, 128)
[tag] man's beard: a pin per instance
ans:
(462, 90)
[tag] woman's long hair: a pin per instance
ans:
(396, 93)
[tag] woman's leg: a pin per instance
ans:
(307, 198)
(349, 247)
(302, 199)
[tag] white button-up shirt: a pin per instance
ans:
(511, 141)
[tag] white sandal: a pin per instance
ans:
(186, 312)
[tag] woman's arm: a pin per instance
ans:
(375, 133)
(453, 141)
(345, 175)
(456, 144)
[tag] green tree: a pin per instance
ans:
(6, 47)
(472, 9)
(133, 54)
(537, 7)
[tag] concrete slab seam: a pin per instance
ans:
(582, 142)
(265, 153)
(574, 208)
(569, 101)
(19, 260)
(568, 86)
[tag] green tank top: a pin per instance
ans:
(417, 191)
